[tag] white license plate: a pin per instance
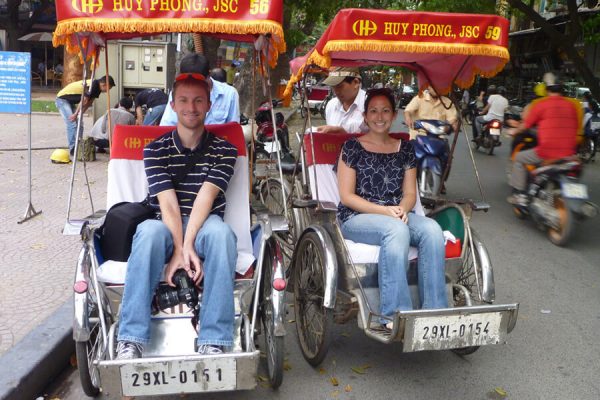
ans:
(494, 131)
(574, 190)
(454, 331)
(172, 377)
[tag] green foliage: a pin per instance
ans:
(591, 29)
(459, 6)
(43, 106)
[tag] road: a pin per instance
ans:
(551, 354)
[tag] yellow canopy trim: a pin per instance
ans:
(162, 25)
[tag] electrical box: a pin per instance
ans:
(135, 65)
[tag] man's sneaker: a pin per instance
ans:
(518, 199)
(209, 350)
(129, 350)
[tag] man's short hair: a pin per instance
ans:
(191, 80)
(218, 74)
(111, 81)
(126, 102)
(194, 63)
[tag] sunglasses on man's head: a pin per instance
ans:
(184, 76)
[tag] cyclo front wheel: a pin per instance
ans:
(313, 320)
(273, 344)
(94, 348)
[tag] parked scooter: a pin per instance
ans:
(431, 151)
(265, 146)
(556, 197)
(489, 137)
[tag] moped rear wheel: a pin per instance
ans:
(586, 150)
(273, 344)
(93, 349)
(560, 236)
(313, 320)
(492, 143)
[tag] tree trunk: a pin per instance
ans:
(73, 69)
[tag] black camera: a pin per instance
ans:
(183, 292)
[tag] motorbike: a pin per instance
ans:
(470, 112)
(431, 151)
(556, 197)
(586, 150)
(489, 138)
(265, 144)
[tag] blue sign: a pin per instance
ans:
(15, 82)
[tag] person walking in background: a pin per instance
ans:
(155, 101)
(120, 115)
(218, 74)
(224, 99)
(69, 105)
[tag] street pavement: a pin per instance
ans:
(36, 260)
(551, 354)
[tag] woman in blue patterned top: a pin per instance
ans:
(377, 181)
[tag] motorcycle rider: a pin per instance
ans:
(494, 109)
(558, 120)
(430, 105)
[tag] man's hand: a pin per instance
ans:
(330, 129)
(176, 262)
(192, 263)
(73, 117)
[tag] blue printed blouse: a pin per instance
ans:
(379, 176)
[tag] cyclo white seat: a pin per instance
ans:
(127, 182)
(324, 186)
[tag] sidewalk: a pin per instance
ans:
(36, 261)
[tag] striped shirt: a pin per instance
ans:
(166, 156)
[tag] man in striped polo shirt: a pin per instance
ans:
(191, 234)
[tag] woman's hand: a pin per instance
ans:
(396, 212)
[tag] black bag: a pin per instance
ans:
(119, 227)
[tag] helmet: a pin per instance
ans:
(501, 90)
(540, 89)
(552, 82)
(60, 156)
(491, 89)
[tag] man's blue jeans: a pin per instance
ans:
(152, 248)
(66, 110)
(395, 237)
(153, 117)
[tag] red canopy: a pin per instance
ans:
(441, 47)
(95, 21)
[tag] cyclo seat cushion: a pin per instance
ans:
(127, 182)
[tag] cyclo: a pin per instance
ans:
(170, 365)
(335, 280)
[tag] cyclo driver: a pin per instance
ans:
(191, 234)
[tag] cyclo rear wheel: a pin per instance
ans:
(273, 344)
(94, 348)
(466, 278)
(313, 320)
